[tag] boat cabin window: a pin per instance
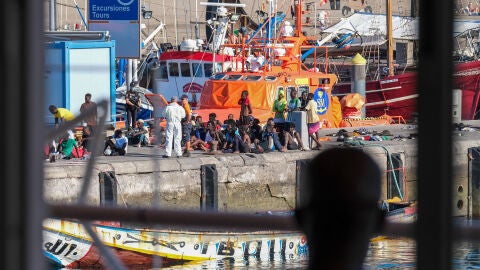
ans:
(173, 69)
(219, 76)
(270, 78)
(185, 69)
(197, 70)
(233, 77)
(208, 70)
(252, 78)
(289, 90)
(303, 88)
(324, 81)
(162, 72)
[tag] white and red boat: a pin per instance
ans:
(395, 92)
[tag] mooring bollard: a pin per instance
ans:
(209, 190)
(108, 188)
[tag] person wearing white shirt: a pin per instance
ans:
(287, 30)
(256, 61)
(173, 114)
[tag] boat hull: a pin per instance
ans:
(397, 95)
(66, 243)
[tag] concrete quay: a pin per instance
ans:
(256, 182)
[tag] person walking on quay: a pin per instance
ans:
(313, 122)
(173, 113)
(92, 118)
(132, 105)
(245, 108)
(186, 126)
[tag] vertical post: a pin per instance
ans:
(301, 167)
(457, 106)
(435, 84)
(108, 188)
(209, 189)
(390, 37)
(358, 77)
(52, 5)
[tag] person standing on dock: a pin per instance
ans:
(173, 113)
(280, 108)
(187, 126)
(245, 108)
(313, 122)
(132, 105)
(92, 118)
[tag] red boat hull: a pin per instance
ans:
(397, 95)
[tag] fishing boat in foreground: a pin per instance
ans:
(67, 244)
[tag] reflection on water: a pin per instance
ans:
(383, 254)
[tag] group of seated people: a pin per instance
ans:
(231, 137)
(212, 136)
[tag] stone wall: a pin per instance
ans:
(246, 182)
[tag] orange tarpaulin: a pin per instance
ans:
(226, 95)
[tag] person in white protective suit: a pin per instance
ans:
(173, 114)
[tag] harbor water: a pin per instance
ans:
(385, 253)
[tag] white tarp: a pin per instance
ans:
(367, 24)
(406, 28)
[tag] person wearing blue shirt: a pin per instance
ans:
(116, 145)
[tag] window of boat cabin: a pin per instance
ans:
(162, 70)
(232, 77)
(185, 69)
(219, 76)
(197, 70)
(303, 88)
(252, 78)
(173, 69)
(208, 70)
(289, 90)
(270, 78)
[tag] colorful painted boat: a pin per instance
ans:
(67, 244)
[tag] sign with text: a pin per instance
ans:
(101, 10)
(121, 18)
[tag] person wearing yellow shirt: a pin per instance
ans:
(61, 114)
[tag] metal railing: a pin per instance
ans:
(24, 208)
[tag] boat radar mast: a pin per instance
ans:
(219, 24)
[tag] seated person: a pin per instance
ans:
(292, 137)
(139, 135)
(66, 146)
(201, 129)
(234, 143)
(244, 134)
(270, 140)
(214, 135)
(212, 117)
(198, 144)
(86, 136)
(116, 145)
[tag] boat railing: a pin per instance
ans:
(278, 55)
